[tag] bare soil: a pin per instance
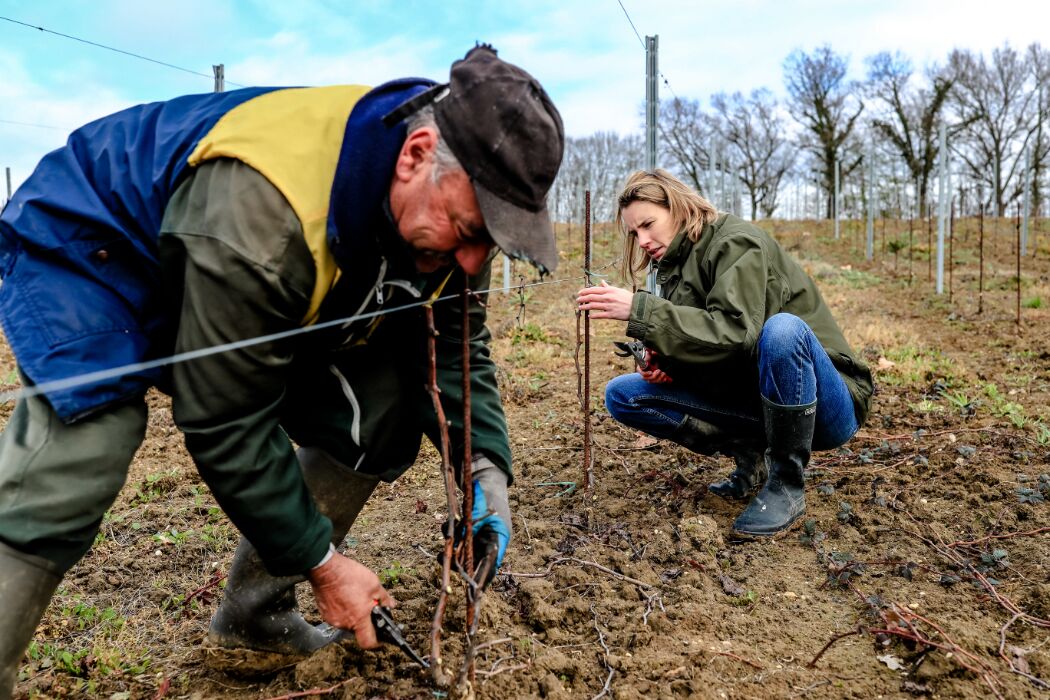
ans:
(921, 569)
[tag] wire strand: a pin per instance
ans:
(101, 375)
(642, 42)
(115, 50)
(39, 126)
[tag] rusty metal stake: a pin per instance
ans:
(1017, 226)
(951, 254)
(980, 253)
(911, 245)
(588, 460)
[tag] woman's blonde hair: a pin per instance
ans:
(689, 212)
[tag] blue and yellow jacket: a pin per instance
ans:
(79, 240)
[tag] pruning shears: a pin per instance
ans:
(390, 632)
(634, 349)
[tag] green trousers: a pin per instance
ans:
(57, 480)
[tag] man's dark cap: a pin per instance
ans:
(508, 136)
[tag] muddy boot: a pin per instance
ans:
(709, 439)
(749, 473)
(789, 434)
(26, 586)
(260, 611)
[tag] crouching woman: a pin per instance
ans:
(742, 355)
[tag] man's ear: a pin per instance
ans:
(416, 152)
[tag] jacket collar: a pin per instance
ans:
(681, 248)
(359, 225)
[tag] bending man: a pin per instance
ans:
(209, 219)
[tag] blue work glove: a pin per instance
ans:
(491, 514)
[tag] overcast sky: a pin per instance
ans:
(585, 52)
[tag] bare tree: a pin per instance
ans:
(601, 163)
(686, 133)
(908, 117)
(998, 116)
(755, 129)
(826, 104)
(1039, 67)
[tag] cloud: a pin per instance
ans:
(44, 118)
(289, 58)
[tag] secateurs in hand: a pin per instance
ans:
(390, 632)
(634, 349)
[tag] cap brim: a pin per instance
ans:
(519, 233)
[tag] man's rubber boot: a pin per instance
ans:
(26, 586)
(260, 611)
(708, 439)
(789, 435)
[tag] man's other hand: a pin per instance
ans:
(491, 515)
(346, 592)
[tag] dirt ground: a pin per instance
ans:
(920, 570)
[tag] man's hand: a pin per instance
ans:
(491, 515)
(651, 371)
(606, 301)
(346, 592)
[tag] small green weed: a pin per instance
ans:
(52, 656)
(1042, 433)
(926, 406)
(746, 600)
(85, 616)
(391, 576)
(529, 333)
(172, 536)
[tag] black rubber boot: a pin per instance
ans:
(708, 439)
(26, 586)
(260, 611)
(750, 471)
(789, 434)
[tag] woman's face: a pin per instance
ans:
(651, 224)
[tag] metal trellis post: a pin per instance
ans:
(942, 201)
(652, 102)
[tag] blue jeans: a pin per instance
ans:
(793, 370)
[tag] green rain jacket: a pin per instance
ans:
(715, 296)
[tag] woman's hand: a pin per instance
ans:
(605, 301)
(651, 372)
